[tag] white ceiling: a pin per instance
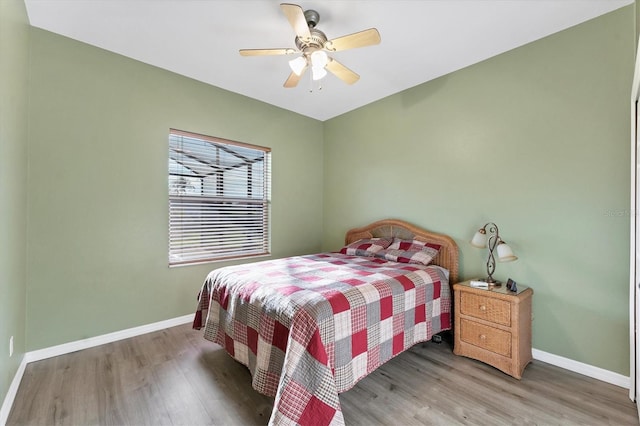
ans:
(421, 40)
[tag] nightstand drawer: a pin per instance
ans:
(486, 308)
(485, 337)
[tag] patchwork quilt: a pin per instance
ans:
(310, 327)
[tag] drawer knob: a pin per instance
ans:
(483, 308)
(483, 337)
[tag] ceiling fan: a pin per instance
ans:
(314, 45)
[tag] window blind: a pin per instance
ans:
(219, 193)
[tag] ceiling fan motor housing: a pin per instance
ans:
(316, 41)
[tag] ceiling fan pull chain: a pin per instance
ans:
(311, 85)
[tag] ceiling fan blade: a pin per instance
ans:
(262, 52)
(295, 15)
(342, 72)
(293, 79)
(360, 39)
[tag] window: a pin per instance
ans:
(218, 199)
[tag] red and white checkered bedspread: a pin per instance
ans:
(310, 327)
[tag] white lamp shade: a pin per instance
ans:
(479, 239)
(318, 73)
(505, 254)
(319, 59)
(298, 65)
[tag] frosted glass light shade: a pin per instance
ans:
(318, 73)
(479, 239)
(319, 59)
(298, 65)
(505, 254)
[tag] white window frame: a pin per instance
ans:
(219, 199)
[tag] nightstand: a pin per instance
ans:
(494, 326)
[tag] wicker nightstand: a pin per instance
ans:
(494, 326)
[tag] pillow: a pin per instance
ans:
(366, 247)
(410, 251)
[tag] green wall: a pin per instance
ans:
(14, 57)
(97, 192)
(536, 140)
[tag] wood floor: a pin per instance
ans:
(175, 377)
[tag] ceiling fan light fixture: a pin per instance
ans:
(298, 65)
(318, 73)
(319, 59)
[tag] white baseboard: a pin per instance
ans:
(78, 345)
(584, 369)
(11, 393)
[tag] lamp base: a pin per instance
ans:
(492, 282)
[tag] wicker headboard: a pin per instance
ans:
(447, 258)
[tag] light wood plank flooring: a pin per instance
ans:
(175, 377)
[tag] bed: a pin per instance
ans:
(310, 327)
